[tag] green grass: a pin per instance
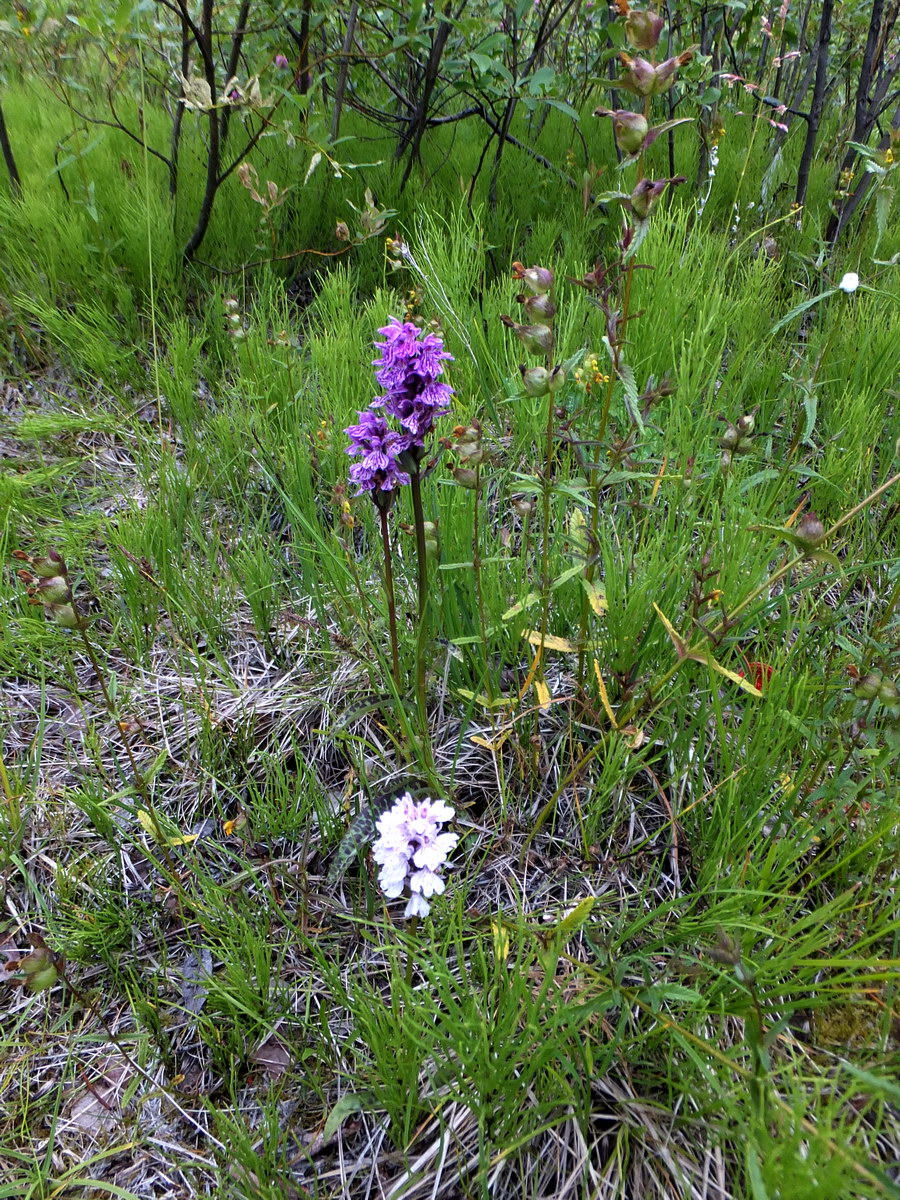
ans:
(668, 952)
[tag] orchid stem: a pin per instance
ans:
(422, 579)
(545, 554)
(413, 925)
(389, 592)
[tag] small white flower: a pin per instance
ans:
(411, 850)
(429, 883)
(392, 876)
(417, 906)
(849, 283)
(434, 853)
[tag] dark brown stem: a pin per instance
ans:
(412, 136)
(818, 102)
(865, 111)
(205, 46)
(303, 82)
(234, 57)
(15, 180)
(343, 71)
(178, 119)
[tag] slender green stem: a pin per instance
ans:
(545, 530)
(410, 961)
(479, 590)
(389, 593)
(5, 785)
(421, 553)
(595, 474)
(422, 636)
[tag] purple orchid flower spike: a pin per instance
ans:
(408, 369)
(376, 443)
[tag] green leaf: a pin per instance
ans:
(562, 107)
(810, 406)
(863, 150)
(884, 199)
(641, 229)
(345, 1107)
(710, 96)
(754, 1175)
(630, 394)
(531, 598)
(568, 574)
(360, 831)
(606, 197)
(759, 477)
(543, 77)
(802, 308)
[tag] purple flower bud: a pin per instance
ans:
(63, 614)
(867, 687)
(52, 565)
(810, 532)
(648, 191)
(281, 62)
(645, 196)
(539, 279)
(468, 444)
(730, 438)
(466, 477)
(557, 378)
(536, 380)
(665, 72)
(537, 339)
(643, 29)
(645, 79)
(54, 589)
(538, 308)
(629, 128)
(641, 76)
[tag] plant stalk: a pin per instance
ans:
(389, 593)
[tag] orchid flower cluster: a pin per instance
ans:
(389, 441)
(408, 369)
(411, 850)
